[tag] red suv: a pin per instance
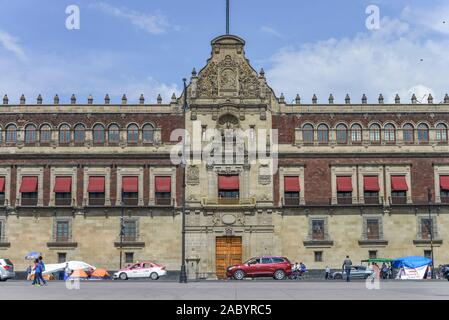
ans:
(276, 267)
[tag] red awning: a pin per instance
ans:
(2, 184)
(444, 183)
(371, 183)
(29, 184)
(63, 184)
(291, 184)
(96, 184)
(163, 184)
(344, 184)
(398, 183)
(228, 183)
(130, 184)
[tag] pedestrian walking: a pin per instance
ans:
(67, 271)
(29, 270)
(346, 267)
(37, 270)
(42, 269)
(328, 272)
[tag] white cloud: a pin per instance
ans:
(272, 32)
(81, 75)
(151, 23)
(11, 43)
(398, 58)
(436, 19)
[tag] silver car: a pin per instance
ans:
(357, 272)
(6, 270)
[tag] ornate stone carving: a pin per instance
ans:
(228, 76)
(264, 174)
(193, 175)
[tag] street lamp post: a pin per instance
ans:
(183, 274)
(122, 231)
(429, 197)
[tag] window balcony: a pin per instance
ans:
(96, 201)
(164, 202)
(398, 199)
(372, 200)
(241, 202)
(291, 202)
(130, 201)
(28, 202)
(63, 202)
(344, 200)
(444, 199)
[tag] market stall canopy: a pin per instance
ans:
(73, 265)
(411, 262)
(378, 260)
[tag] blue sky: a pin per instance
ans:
(305, 47)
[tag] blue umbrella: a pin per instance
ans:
(32, 255)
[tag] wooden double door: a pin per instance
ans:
(228, 251)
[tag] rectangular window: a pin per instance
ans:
(318, 256)
(426, 228)
(344, 190)
(372, 254)
(228, 189)
(29, 191)
(317, 229)
(129, 257)
(428, 254)
(96, 190)
(372, 229)
(130, 189)
(163, 191)
(371, 189)
(2, 236)
(291, 191)
(399, 190)
(62, 257)
(62, 231)
(2, 191)
(444, 189)
(130, 230)
(63, 191)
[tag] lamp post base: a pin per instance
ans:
(183, 274)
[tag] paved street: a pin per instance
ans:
(230, 290)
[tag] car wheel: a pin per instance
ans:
(239, 275)
(338, 277)
(123, 276)
(279, 275)
(154, 276)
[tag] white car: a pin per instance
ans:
(6, 270)
(145, 269)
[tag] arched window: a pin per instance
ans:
(1, 135)
(389, 133)
(133, 133)
(98, 134)
(356, 133)
(441, 133)
(64, 134)
(148, 133)
(408, 133)
(80, 133)
(114, 134)
(45, 134)
(11, 134)
(374, 133)
(30, 134)
(307, 133)
(323, 133)
(342, 134)
(423, 133)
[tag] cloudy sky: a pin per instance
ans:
(148, 46)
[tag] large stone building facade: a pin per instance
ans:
(353, 178)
